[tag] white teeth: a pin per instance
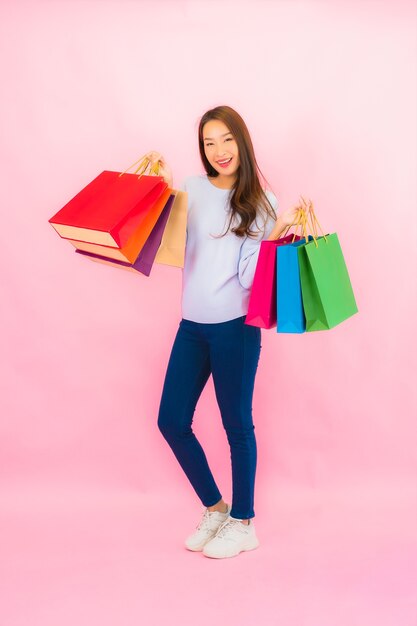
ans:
(222, 162)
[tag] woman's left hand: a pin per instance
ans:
(288, 217)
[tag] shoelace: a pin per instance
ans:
(225, 526)
(204, 523)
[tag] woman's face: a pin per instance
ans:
(219, 146)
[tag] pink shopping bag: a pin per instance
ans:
(262, 311)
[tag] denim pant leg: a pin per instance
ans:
(187, 373)
(234, 353)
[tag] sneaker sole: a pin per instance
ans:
(253, 546)
(197, 549)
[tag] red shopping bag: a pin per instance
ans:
(135, 229)
(108, 209)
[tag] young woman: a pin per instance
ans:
(229, 214)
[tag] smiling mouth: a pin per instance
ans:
(224, 163)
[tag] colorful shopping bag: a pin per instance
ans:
(262, 310)
(327, 293)
(134, 230)
(172, 248)
(146, 257)
(290, 311)
(113, 199)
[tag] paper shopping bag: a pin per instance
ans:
(290, 311)
(327, 293)
(172, 248)
(97, 213)
(262, 310)
(135, 230)
(146, 257)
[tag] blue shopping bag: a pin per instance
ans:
(290, 310)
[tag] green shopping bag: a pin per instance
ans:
(326, 290)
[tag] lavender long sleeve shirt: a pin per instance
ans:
(218, 273)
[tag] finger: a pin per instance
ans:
(150, 158)
(153, 156)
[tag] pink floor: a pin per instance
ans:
(72, 557)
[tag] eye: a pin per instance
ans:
(228, 139)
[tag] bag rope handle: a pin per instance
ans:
(313, 222)
(144, 163)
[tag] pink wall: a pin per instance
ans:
(328, 92)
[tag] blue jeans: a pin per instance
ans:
(229, 351)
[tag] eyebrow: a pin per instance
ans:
(224, 135)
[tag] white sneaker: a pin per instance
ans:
(206, 529)
(232, 537)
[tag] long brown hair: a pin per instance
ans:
(248, 199)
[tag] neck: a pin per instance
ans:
(224, 182)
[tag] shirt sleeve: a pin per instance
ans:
(249, 251)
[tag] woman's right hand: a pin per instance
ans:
(164, 169)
